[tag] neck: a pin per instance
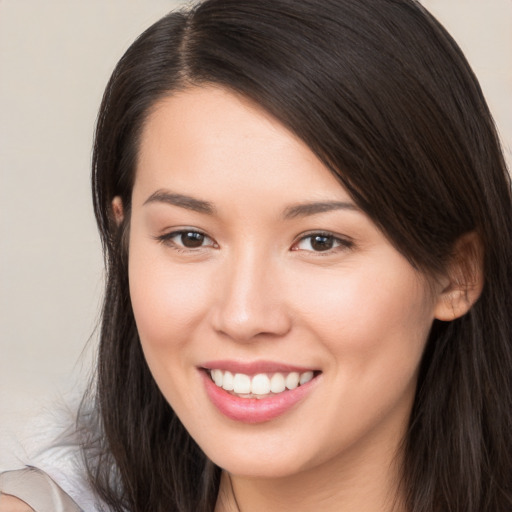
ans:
(369, 484)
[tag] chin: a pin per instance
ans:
(261, 468)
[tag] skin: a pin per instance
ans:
(12, 504)
(256, 289)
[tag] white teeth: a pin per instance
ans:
(292, 380)
(259, 385)
(217, 377)
(277, 383)
(304, 377)
(227, 381)
(241, 383)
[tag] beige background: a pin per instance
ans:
(55, 59)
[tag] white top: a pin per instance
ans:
(59, 484)
(38, 490)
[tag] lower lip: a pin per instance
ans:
(254, 410)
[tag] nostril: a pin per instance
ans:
(248, 327)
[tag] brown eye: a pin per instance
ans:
(321, 242)
(186, 239)
(192, 239)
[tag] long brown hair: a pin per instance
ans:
(385, 98)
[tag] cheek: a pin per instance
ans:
(369, 321)
(373, 327)
(168, 303)
(167, 300)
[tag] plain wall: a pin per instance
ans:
(55, 59)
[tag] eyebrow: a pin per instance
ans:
(181, 200)
(290, 212)
(306, 209)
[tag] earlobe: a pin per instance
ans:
(117, 210)
(465, 279)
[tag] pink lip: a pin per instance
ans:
(254, 410)
(254, 367)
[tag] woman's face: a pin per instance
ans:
(250, 265)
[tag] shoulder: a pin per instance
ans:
(55, 452)
(12, 504)
(32, 490)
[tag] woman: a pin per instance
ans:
(306, 219)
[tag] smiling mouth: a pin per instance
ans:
(261, 385)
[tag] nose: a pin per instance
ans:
(251, 299)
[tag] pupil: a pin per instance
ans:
(322, 243)
(192, 239)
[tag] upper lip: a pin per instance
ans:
(254, 367)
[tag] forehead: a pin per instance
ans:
(208, 137)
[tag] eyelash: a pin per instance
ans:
(167, 239)
(339, 244)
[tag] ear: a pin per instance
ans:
(117, 210)
(464, 279)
